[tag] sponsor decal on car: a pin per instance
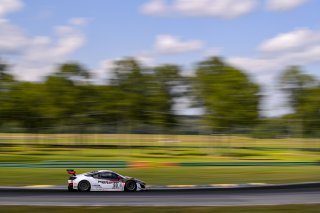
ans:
(106, 182)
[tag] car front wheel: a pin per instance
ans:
(130, 186)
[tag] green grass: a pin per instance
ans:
(164, 148)
(21, 153)
(156, 140)
(243, 209)
(172, 175)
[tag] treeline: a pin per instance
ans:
(139, 99)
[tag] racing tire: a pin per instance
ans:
(130, 186)
(84, 186)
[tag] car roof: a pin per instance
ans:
(104, 171)
(98, 171)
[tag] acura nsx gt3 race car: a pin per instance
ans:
(103, 180)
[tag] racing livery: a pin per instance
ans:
(103, 180)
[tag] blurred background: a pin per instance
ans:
(186, 111)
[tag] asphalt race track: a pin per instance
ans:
(297, 194)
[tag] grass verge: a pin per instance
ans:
(38, 153)
(172, 175)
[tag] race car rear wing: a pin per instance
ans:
(71, 172)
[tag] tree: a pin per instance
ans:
(230, 99)
(148, 92)
(73, 71)
(68, 88)
(303, 91)
(130, 79)
(6, 82)
(6, 79)
(26, 104)
(63, 102)
(308, 112)
(164, 89)
(293, 82)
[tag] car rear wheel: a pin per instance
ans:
(84, 186)
(130, 186)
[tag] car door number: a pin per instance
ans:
(116, 185)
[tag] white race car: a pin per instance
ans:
(103, 180)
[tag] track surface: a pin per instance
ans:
(301, 194)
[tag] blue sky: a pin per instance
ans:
(261, 37)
